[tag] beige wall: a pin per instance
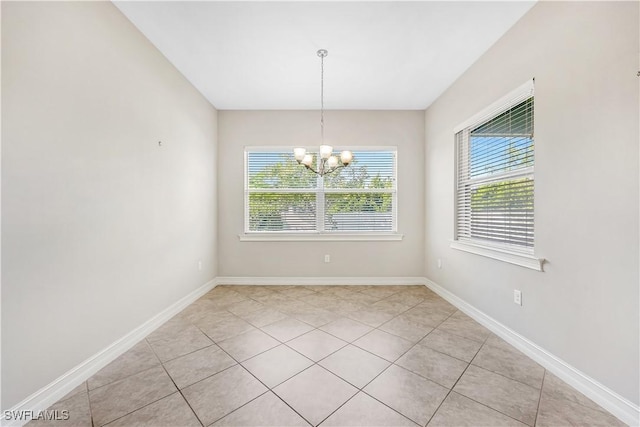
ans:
(101, 227)
(404, 129)
(584, 307)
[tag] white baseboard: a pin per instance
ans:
(51, 393)
(622, 408)
(235, 280)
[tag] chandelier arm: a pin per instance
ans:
(322, 172)
(311, 169)
(340, 166)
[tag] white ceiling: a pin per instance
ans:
(382, 55)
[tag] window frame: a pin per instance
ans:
(513, 254)
(320, 234)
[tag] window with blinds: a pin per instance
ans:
(495, 176)
(282, 196)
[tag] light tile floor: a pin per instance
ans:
(325, 355)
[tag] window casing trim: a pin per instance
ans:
(293, 236)
(512, 256)
(521, 93)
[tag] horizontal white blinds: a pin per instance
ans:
(370, 169)
(359, 212)
(495, 186)
(502, 144)
(277, 169)
(283, 196)
(282, 211)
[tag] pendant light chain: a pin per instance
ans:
(322, 54)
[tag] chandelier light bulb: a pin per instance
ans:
(307, 160)
(325, 151)
(299, 154)
(332, 162)
(346, 157)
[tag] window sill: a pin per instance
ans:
(315, 237)
(512, 257)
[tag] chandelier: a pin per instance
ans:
(328, 162)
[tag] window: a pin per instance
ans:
(495, 180)
(282, 197)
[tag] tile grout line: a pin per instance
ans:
(343, 403)
(191, 352)
(544, 375)
(338, 408)
(86, 385)
(503, 375)
(598, 408)
(384, 404)
(393, 363)
(386, 360)
(439, 351)
(246, 370)
(209, 376)
(141, 407)
(463, 372)
(456, 382)
(289, 406)
(332, 373)
(508, 378)
(238, 408)
(124, 378)
(129, 376)
(474, 400)
(182, 395)
(269, 389)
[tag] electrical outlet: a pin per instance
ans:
(199, 265)
(439, 263)
(327, 258)
(517, 297)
